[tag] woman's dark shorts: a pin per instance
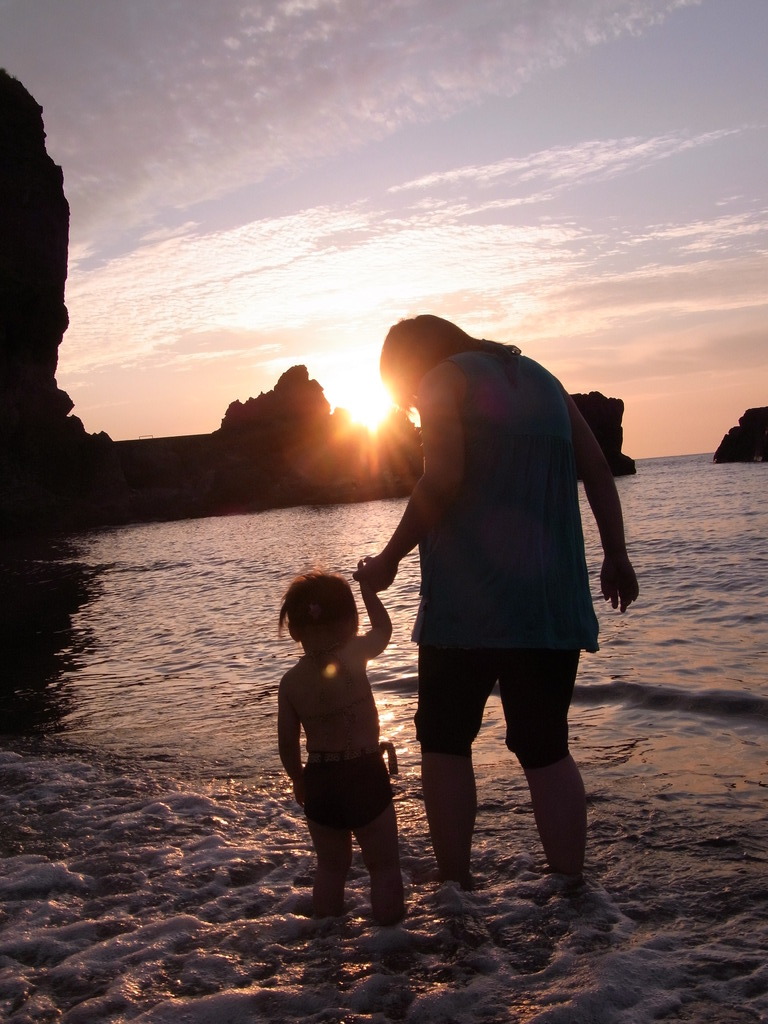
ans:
(536, 687)
(347, 794)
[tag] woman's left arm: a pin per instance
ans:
(617, 577)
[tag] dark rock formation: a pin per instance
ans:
(310, 448)
(748, 442)
(284, 447)
(52, 474)
(295, 407)
(604, 415)
(34, 236)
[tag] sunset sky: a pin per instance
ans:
(258, 184)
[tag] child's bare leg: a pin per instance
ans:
(560, 810)
(378, 843)
(333, 847)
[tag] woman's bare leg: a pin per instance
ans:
(450, 800)
(560, 810)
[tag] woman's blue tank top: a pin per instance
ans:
(506, 565)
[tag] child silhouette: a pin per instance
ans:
(344, 786)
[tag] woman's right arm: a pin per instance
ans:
(442, 436)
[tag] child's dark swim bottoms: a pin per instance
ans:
(346, 794)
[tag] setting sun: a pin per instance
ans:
(363, 396)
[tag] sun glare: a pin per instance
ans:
(370, 409)
(365, 399)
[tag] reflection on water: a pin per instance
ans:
(160, 640)
(41, 589)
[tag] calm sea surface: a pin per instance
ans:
(155, 867)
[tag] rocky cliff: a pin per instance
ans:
(747, 442)
(52, 473)
(286, 447)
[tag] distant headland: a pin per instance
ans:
(284, 447)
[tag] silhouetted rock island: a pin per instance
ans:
(748, 442)
(284, 447)
(604, 415)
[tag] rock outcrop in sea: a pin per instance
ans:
(284, 447)
(605, 415)
(747, 442)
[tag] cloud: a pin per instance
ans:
(331, 272)
(273, 290)
(738, 233)
(154, 106)
(562, 167)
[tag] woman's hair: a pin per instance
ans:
(413, 347)
(317, 599)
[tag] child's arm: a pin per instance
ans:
(289, 743)
(380, 632)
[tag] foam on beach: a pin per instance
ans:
(129, 896)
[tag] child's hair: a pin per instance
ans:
(317, 599)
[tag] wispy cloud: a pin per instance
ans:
(326, 276)
(563, 166)
(164, 106)
(737, 233)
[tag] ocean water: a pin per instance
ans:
(154, 867)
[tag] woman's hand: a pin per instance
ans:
(376, 572)
(618, 582)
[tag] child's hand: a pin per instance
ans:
(379, 618)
